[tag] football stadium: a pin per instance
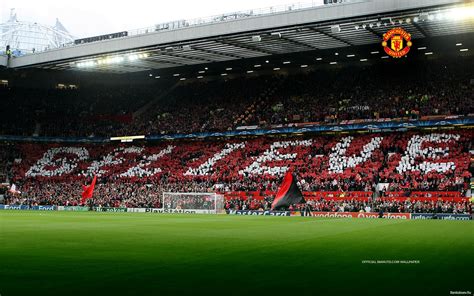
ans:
(320, 148)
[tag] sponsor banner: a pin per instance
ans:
(75, 209)
(390, 125)
(43, 208)
(26, 207)
(178, 211)
(403, 216)
(259, 213)
(422, 216)
(454, 216)
(247, 127)
(14, 207)
(136, 210)
(394, 124)
(106, 209)
(335, 214)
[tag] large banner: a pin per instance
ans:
(258, 213)
(420, 216)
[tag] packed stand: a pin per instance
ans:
(136, 175)
(70, 112)
(204, 106)
(326, 96)
(406, 91)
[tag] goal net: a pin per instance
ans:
(200, 203)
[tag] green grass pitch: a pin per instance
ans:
(72, 253)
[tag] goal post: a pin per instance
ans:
(199, 202)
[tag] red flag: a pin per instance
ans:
(288, 194)
(88, 190)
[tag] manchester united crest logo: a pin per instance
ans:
(396, 42)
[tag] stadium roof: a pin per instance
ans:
(26, 37)
(317, 28)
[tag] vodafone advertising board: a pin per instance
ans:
(403, 216)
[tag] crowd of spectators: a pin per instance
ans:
(204, 106)
(137, 195)
(406, 91)
(70, 112)
(106, 194)
(8, 154)
(324, 96)
(137, 175)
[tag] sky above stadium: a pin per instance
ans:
(85, 18)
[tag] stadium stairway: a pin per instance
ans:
(249, 113)
(154, 102)
(37, 129)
